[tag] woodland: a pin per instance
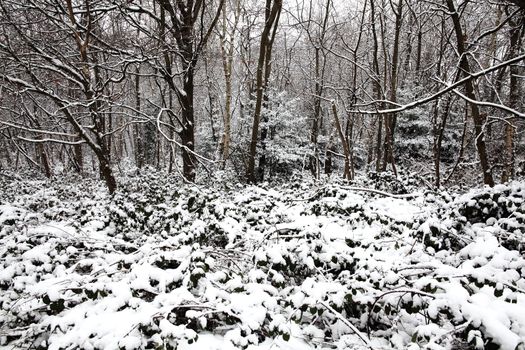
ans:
(262, 174)
(257, 89)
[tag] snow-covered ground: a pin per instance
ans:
(301, 266)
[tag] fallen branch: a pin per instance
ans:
(386, 194)
(361, 189)
(361, 335)
(405, 291)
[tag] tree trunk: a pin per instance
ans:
(227, 52)
(271, 19)
(439, 133)
(438, 129)
(79, 157)
(516, 34)
(137, 132)
(314, 133)
(187, 134)
(105, 170)
(344, 143)
(390, 119)
(478, 118)
(44, 160)
(190, 40)
(376, 86)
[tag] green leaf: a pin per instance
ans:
(57, 306)
(414, 337)
(91, 294)
(191, 201)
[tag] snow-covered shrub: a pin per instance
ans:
(501, 209)
(256, 267)
(386, 181)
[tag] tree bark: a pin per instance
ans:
(390, 119)
(516, 34)
(344, 142)
(227, 52)
(478, 118)
(137, 129)
(376, 86)
(189, 45)
(271, 19)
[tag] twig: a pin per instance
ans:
(386, 194)
(363, 337)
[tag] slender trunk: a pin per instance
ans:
(314, 134)
(187, 133)
(109, 139)
(79, 156)
(349, 134)
(137, 132)
(376, 86)
(353, 97)
(461, 149)
(478, 118)
(370, 143)
(227, 51)
(408, 53)
(226, 138)
(105, 170)
(330, 149)
(516, 35)
(102, 152)
(344, 143)
(44, 160)
(6, 153)
(439, 128)
(418, 53)
(390, 120)
(379, 138)
(439, 134)
(190, 36)
(265, 120)
(171, 133)
(271, 17)
(319, 87)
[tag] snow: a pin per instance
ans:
(492, 316)
(262, 268)
(10, 213)
(395, 208)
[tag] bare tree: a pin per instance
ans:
(227, 36)
(516, 34)
(271, 20)
(182, 30)
(54, 59)
(479, 119)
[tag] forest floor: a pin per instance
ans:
(161, 265)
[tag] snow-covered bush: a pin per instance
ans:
(500, 209)
(162, 265)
